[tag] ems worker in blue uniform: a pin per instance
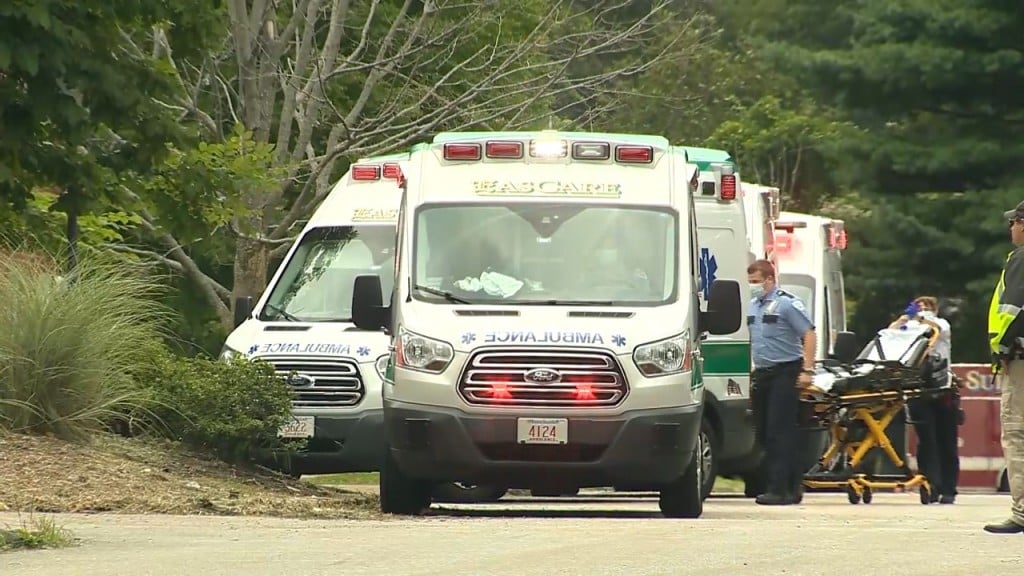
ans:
(782, 342)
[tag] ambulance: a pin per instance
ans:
(546, 320)
(809, 251)
(762, 206)
(302, 324)
(728, 244)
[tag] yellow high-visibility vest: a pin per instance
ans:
(1000, 316)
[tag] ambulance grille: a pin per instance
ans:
(543, 378)
(320, 382)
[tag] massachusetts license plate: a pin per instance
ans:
(543, 431)
(299, 427)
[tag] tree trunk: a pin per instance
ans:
(251, 260)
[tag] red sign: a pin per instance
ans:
(981, 453)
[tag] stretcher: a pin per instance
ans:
(857, 401)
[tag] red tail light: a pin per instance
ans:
(728, 187)
(461, 151)
(634, 154)
(365, 172)
(392, 171)
(512, 150)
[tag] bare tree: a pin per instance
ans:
(324, 80)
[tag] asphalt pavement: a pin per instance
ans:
(594, 534)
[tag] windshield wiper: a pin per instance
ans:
(570, 302)
(282, 313)
(442, 294)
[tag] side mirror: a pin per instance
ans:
(368, 310)
(243, 309)
(724, 312)
(845, 348)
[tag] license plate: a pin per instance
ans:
(299, 427)
(543, 431)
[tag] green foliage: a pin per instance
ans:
(72, 346)
(230, 408)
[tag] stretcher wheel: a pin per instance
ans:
(866, 495)
(852, 495)
(926, 495)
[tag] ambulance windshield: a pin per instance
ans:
(546, 253)
(316, 285)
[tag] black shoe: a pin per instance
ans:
(1005, 527)
(947, 499)
(773, 500)
(797, 496)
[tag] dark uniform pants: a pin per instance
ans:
(776, 408)
(938, 455)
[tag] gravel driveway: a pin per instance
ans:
(591, 535)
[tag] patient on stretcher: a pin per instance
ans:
(897, 358)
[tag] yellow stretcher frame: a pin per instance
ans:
(875, 410)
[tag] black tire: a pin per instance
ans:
(460, 493)
(683, 498)
(925, 494)
(852, 495)
(711, 445)
(866, 496)
(400, 494)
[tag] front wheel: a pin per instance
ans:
(709, 458)
(400, 494)
(684, 497)
(460, 493)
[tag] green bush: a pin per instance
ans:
(230, 408)
(72, 347)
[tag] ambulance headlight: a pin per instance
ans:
(416, 352)
(669, 356)
(227, 353)
(381, 365)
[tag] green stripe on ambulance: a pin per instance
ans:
(726, 358)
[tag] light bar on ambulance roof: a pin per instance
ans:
(464, 151)
(392, 171)
(498, 149)
(365, 172)
(728, 184)
(548, 148)
(591, 150)
(836, 232)
(634, 154)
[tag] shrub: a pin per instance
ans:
(71, 348)
(230, 408)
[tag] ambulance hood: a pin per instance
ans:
(618, 329)
(330, 339)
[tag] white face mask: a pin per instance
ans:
(756, 290)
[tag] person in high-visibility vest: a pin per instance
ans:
(1006, 340)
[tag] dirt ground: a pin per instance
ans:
(121, 475)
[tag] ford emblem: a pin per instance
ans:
(301, 381)
(542, 376)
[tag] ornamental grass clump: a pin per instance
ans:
(72, 345)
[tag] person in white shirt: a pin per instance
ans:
(936, 419)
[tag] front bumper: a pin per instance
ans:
(646, 447)
(341, 443)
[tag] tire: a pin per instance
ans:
(852, 496)
(684, 497)
(460, 493)
(400, 494)
(925, 495)
(709, 459)
(867, 496)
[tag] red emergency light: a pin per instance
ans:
(728, 186)
(512, 150)
(392, 171)
(783, 244)
(365, 172)
(468, 151)
(634, 154)
(837, 238)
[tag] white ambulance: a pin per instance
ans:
(547, 332)
(302, 324)
(809, 250)
(762, 205)
(726, 249)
